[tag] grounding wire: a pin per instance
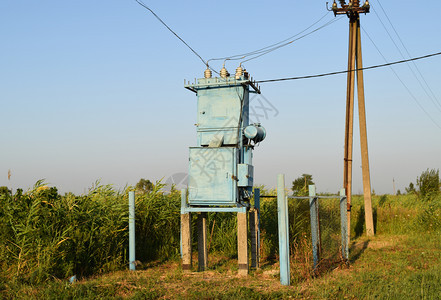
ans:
(239, 56)
(402, 82)
(431, 96)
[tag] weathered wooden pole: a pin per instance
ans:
(355, 65)
(349, 124)
(363, 138)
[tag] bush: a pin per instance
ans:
(428, 183)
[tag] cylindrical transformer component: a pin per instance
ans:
(255, 132)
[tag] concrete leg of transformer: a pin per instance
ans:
(202, 241)
(186, 242)
(254, 233)
(242, 243)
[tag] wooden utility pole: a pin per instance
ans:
(355, 65)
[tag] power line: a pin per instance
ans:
(405, 86)
(347, 71)
(432, 95)
(286, 44)
(264, 49)
(160, 20)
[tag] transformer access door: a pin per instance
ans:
(213, 176)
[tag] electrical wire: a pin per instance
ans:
(402, 82)
(347, 71)
(286, 44)
(243, 55)
(258, 53)
(160, 20)
(425, 87)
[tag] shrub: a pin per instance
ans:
(428, 183)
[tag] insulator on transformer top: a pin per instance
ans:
(224, 73)
(239, 71)
(207, 73)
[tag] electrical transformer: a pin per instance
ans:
(220, 166)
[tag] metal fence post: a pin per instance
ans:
(257, 207)
(344, 226)
(282, 210)
(132, 230)
(315, 225)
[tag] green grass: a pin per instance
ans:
(45, 238)
(384, 267)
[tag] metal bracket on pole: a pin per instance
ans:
(282, 211)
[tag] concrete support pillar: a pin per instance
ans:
(202, 241)
(185, 234)
(186, 242)
(344, 226)
(242, 243)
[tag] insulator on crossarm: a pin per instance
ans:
(367, 6)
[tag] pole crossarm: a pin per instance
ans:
(352, 9)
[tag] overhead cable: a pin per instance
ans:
(426, 86)
(290, 42)
(258, 51)
(405, 86)
(347, 71)
(160, 20)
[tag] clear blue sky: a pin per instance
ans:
(94, 90)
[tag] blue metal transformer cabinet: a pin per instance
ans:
(220, 167)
